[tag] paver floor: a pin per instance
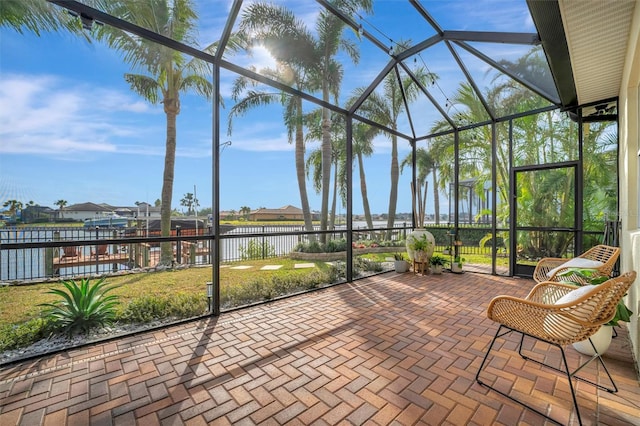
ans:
(397, 349)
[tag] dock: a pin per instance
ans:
(84, 261)
(140, 255)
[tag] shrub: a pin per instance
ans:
(82, 307)
(13, 336)
(267, 288)
(256, 249)
(333, 246)
(363, 264)
(151, 307)
(311, 247)
(145, 309)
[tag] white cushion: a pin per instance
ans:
(567, 328)
(576, 294)
(577, 262)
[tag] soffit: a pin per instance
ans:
(597, 33)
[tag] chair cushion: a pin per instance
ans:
(576, 294)
(562, 327)
(577, 262)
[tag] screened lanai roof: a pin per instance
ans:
(460, 56)
(586, 42)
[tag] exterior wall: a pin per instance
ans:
(78, 215)
(629, 107)
(275, 216)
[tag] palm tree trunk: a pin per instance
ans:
(326, 167)
(436, 196)
(393, 193)
(417, 194)
(300, 172)
(363, 191)
(424, 201)
(171, 108)
(332, 220)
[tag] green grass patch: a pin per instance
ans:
(174, 294)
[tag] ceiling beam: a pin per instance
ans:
(492, 37)
(547, 19)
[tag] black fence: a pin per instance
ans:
(39, 253)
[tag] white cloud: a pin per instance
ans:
(260, 136)
(47, 115)
(276, 143)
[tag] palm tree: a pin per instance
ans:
(363, 135)
(189, 202)
(424, 166)
(292, 114)
(274, 27)
(338, 157)
(245, 211)
(61, 205)
(536, 191)
(330, 43)
(385, 108)
(14, 206)
(290, 42)
(37, 16)
(362, 146)
(169, 74)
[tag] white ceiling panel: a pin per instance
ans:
(597, 32)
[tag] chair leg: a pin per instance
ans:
(566, 371)
(573, 374)
(604, 367)
(498, 334)
(573, 392)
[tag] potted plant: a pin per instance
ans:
(421, 247)
(456, 265)
(602, 338)
(400, 263)
(437, 263)
(447, 250)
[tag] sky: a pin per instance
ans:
(73, 130)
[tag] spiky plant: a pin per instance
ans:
(83, 306)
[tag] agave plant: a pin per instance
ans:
(83, 306)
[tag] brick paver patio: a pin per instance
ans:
(392, 349)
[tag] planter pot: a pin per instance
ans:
(401, 266)
(436, 269)
(601, 339)
(455, 268)
(418, 233)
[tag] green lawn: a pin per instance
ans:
(20, 303)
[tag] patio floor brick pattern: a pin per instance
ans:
(391, 349)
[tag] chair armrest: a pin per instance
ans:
(552, 323)
(548, 292)
(545, 265)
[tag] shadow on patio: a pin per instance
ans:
(395, 348)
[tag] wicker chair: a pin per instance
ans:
(544, 316)
(601, 257)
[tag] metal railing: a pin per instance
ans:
(41, 253)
